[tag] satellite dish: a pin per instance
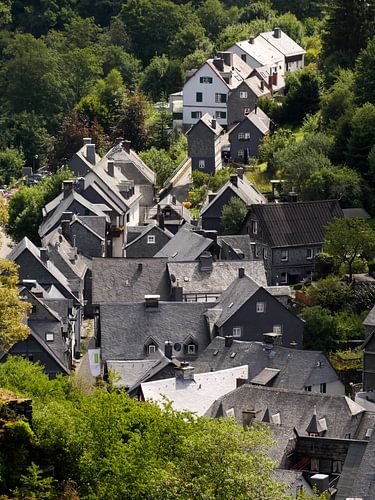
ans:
(173, 278)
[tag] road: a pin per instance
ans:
(6, 244)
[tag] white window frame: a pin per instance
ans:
(284, 255)
(260, 307)
(151, 239)
(254, 226)
(196, 96)
(191, 349)
(198, 114)
(240, 153)
(309, 253)
(50, 336)
(201, 163)
(237, 332)
(286, 277)
(220, 115)
(277, 329)
(265, 253)
(151, 349)
(247, 136)
(205, 79)
(218, 98)
(246, 111)
(241, 136)
(243, 95)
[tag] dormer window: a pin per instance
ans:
(254, 227)
(191, 349)
(50, 336)
(151, 239)
(190, 346)
(151, 349)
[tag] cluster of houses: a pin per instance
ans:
(184, 311)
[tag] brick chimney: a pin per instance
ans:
(111, 168)
(126, 145)
(91, 154)
(87, 140)
(67, 188)
(228, 341)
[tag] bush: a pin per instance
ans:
(371, 267)
(324, 264)
(331, 294)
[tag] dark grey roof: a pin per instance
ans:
(301, 223)
(348, 477)
(298, 368)
(370, 318)
(135, 234)
(128, 280)
(356, 213)
(127, 328)
(57, 349)
(96, 224)
(258, 118)
(207, 120)
(123, 158)
(296, 408)
(186, 245)
(239, 244)
(193, 280)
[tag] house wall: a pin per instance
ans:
(208, 104)
(211, 218)
(78, 166)
(294, 63)
(253, 63)
(86, 242)
(94, 197)
(251, 144)
(237, 104)
(142, 249)
(297, 266)
(201, 146)
(254, 324)
(336, 387)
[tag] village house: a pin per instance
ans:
(205, 145)
(243, 99)
(169, 213)
(145, 241)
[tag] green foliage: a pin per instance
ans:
(160, 162)
(271, 145)
(364, 74)
(34, 486)
(320, 331)
(350, 326)
(362, 138)
(331, 293)
(338, 99)
(11, 163)
(324, 264)
(162, 77)
(232, 215)
(346, 239)
(25, 206)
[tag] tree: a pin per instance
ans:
(11, 163)
(131, 119)
(338, 99)
(25, 206)
(331, 293)
(364, 74)
(233, 215)
(362, 138)
(346, 239)
(292, 27)
(215, 17)
(188, 39)
(320, 331)
(13, 310)
(160, 162)
(5, 12)
(271, 144)
(115, 57)
(162, 77)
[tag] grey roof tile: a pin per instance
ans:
(186, 245)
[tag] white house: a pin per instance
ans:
(294, 54)
(258, 52)
(207, 89)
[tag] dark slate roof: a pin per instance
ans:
(356, 213)
(296, 408)
(127, 328)
(258, 118)
(96, 225)
(57, 349)
(128, 280)
(298, 368)
(122, 157)
(370, 318)
(348, 478)
(138, 232)
(223, 273)
(207, 120)
(238, 243)
(301, 223)
(186, 245)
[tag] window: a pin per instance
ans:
(151, 349)
(323, 388)
(220, 97)
(199, 97)
(277, 329)
(246, 111)
(257, 251)
(151, 239)
(240, 153)
(243, 95)
(49, 336)
(265, 253)
(283, 278)
(191, 349)
(284, 255)
(308, 388)
(237, 331)
(309, 253)
(261, 307)
(205, 79)
(254, 227)
(127, 217)
(243, 136)
(221, 114)
(196, 114)
(202, 163)
(243, 57)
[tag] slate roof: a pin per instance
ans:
(120, 156)
(253, 83)
(138, 232)
(193, 280)
(356, 213)
(127, 328)
(298, 368)
(57, 349)
(244, 190)
(186, 245)
(370, 318)
(286, 45)
(96, 225)
(168, 201)
(262, 51)
(26, 244)
(239, 244)
(296, 408)
(129, 372)
(258, 118)
(128, 280)
(301, 223)
(194, 395)
(206, 119)
(239, 71)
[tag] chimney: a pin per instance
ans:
(184, 371)
(29, 284)
(277, 33)
(168, 349)
(241, 272)
(67, 188)
(44, 255)
(262, 85)
(248, 416)
(111, 168)
(174, 199)
(206, 262)
(126, 145)
(293, 344)
(240, 173)
(90, 153)
(177, 293)
(228, 341)
(240, 382)
(140, 267)
(67, 216)
(161, 221)
(270, 81)
(227, 58)
(321, 482)
(293, 197)
(80, 185)
(86, 140)
(213, 123)
(65, 229)
(218, 63)
(211, 196)
(251, 40)
(152, 302)
(234, 180)
(274, 78)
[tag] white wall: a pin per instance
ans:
(336, 387)
(208, 104)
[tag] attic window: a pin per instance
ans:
(50, 336)
(151, 239)
(151, 349)
(191, 349)
(230, 305)
(233, 355)
(254, 227)
(243, 95)
(174, 254)
(276, 419)
(369, 433)
(216, 352)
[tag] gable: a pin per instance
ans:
(215, 209)
(206, 70)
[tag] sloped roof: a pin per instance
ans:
(239, 71)
(194, 395)
(56, 349)
(356, 213)
(265, 376)
(298, 368)
(141, 231)
(258, 118)
(261, 50)
(120, 156)
(241, 242)
(286, 45)
(253, 83)
(126, 328)
(206, 119)
(301, 223)
(223, 273)
(96, 225)
(370, 318)
(129, 372)
(186, 245)
(245, 190)
(128, 280)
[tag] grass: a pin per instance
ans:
(258, 176)
(346, 360)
